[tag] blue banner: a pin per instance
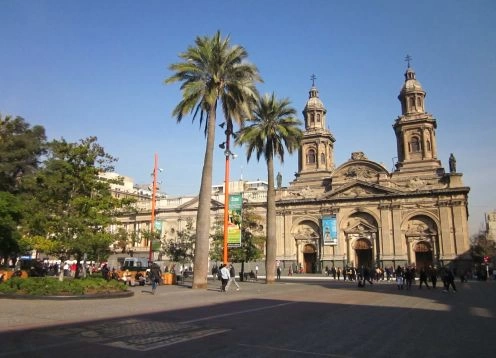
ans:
(329, 230)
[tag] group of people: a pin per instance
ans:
(227, 276)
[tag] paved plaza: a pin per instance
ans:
(307, 316)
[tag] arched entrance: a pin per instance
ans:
(423, 255)
(363, 251)
(309, 259)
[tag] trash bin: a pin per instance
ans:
(169, 278)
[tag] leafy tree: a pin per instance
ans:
(252, 240)
(481, 247)
(21, 147)
(272, 127)
(10, 215)
(181, 249)
(70, 203)
(212, 71)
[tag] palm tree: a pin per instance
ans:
(213, 70)
(273, 127)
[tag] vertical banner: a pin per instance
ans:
(329, 231)
(234, 226)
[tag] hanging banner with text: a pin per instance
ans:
(329, 231)
(234, 226)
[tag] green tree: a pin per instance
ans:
(181, 248)
(21, 147)
(272, 127)
(10, 215)
(212, 71)
(70, 202)
(481, 247)
(252, 240)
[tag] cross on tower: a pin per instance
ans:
(313, 78)
(408, 58)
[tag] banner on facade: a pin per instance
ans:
(329, 231)
(234, 225)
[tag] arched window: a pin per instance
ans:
(318, 117)
(419, 102)
(414, 145)
(412, 103)
(428, 143)
(312, 118)
(311, 156)
(322, 158)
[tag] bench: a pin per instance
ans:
(249, 276)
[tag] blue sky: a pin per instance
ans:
(84, 68)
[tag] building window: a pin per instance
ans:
(414, 145)
(318, 117)
(428, 143)
(311, 156)
(312, 118)
(322, 158)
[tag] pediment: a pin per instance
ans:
(361, 228)
(359, 188)
(359, 169)
(193, 204)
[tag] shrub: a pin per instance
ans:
(50, 286)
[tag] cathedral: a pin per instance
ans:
(359, 213)
(354, 214)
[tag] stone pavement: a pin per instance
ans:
(295, 317)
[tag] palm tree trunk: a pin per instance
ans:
(271, 244)
(203, 215)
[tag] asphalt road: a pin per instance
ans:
(292, 318)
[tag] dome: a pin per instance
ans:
(314, 101)
(411, 84)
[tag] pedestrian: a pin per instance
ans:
(333, 272)
(225, 276)
(278, 273)
(423, 278)
(290, 271)
(155, 275)
(433, 276)
(232, 278)
(105, 272)
(399, 277)
(338, 273)
(449, 280)
(256, 272)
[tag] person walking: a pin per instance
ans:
(232, 278)
(423, 278)
(224, 277)
(433, 276)
(278, 273)
(155, 275)
(449, 280)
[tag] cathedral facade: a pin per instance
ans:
(359, 213)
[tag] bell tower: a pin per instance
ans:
(415, 129)
(316, 153)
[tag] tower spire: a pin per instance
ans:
(313, 78)
(408, 58)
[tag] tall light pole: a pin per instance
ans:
(227, 153)
(154, 195)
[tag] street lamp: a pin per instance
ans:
(154, 196)
(228, 154)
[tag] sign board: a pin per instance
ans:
(329, 230)
(234, 225)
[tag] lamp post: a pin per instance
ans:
(227, 153)
(154, 194)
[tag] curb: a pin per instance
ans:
(107, 295)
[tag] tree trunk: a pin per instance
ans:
(203, 215)
(271, 243)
